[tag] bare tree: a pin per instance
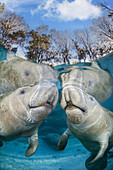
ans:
(12, 29)
(62, 44)
(43, 29)
(106, 7)
(2, 7)
(103, 26)
(84, 43)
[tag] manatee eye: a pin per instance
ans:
(91, 98)
(22, 92)
(26, 73)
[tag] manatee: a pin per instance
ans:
(92, 79)
(88, 121)
(23, 110)
(17, 73)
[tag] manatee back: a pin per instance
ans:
(8, 76)
(91, 79)
(17, 72)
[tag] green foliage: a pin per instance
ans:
(38, 46)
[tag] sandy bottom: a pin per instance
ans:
(47, 157)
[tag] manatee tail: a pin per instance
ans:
(103, 148)
(98, 165)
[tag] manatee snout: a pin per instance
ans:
(46, 94)
(73, 103)
(43, 100)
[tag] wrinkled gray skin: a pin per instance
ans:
(92, 79)
(17, 73)
(23, 110)
(87, 120)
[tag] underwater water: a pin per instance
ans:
(47, 157)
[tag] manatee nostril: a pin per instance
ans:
(49, 104)
(69, 104)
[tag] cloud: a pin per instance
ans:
(69, 10)
(18, 5)
(77, 9)
(33, 12)
(47, 7)
(48, 4)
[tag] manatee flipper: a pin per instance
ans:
(98, 165)
(33, 144)
(63, 140)
(1, 143)
(103, 147)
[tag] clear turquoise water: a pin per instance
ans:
(47, 157)
(3, 53)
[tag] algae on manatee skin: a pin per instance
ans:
(8, 80)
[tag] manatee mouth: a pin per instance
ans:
(71, 106)
(47, 104)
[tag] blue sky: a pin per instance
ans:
(59, 14)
